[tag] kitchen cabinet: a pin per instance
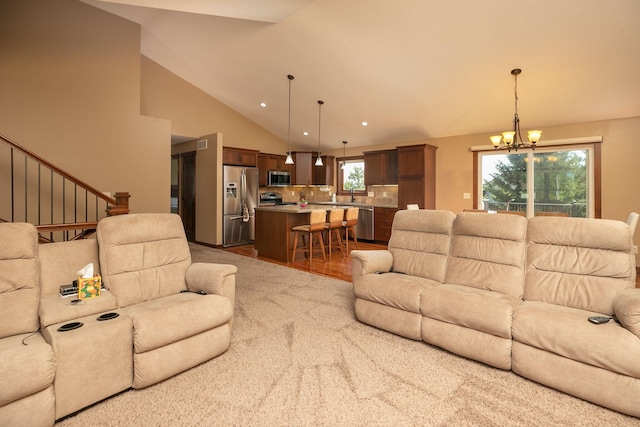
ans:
(383, 220)
(417, 176)
(302, 170)
(324, 175)
(239, 157)
(381, 167)
(270, 162)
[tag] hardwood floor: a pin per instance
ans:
(338, 267)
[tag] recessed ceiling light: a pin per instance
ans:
(263, 104)
(305, 133)
(365, 124)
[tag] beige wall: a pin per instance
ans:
(193, 113)
(70, 84)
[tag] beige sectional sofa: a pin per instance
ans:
(515, 294)
(169, 315)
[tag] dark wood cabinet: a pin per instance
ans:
(381, 167)
(270, 162)
(382, 222)
(239, 156)
(417, 176)
(324, 175)
(302, 168)
(305, 172)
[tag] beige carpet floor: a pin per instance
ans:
(300, 358)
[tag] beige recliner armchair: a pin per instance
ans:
(27, 366)
(181, 312)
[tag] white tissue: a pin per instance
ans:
(86, 272)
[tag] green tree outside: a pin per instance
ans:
(355, 179)
(560, 178)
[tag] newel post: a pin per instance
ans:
(122, 204)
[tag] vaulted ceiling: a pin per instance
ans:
(412, 69)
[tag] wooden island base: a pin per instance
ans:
(273, 236)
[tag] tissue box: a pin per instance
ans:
(89, 287)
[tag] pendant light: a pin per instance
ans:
(289, 160)
(319, 159)
(344, 154)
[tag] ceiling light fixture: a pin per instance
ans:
(513, 139)
(319, 159)
(289, 160)
(344, 153)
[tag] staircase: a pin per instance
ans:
(61, 206)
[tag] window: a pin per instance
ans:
(551, 180)
(351, 175)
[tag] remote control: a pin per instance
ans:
(599, 319)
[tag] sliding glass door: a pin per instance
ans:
(544, 181)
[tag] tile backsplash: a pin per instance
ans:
(378, 195)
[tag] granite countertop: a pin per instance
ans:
(358, 205)
(312, 206)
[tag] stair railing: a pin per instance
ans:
(60, 205)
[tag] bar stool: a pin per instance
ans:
(334, 228)
(315, 228)
(349, 223)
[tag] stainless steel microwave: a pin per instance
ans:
(278, 178)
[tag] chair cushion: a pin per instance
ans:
(24, 369)
(579, 262)
(478, 309)
(172, 318)
(488, 252)
(19, 276)
(393, 290)
(420, 242)
(143, 256)
(567, 332)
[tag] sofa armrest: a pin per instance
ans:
(56, 309)
(216, 279)
(365, 262)
(626, 307)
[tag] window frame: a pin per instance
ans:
(594, 166)
(339, 186)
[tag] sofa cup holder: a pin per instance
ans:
(107, 316)
(70, 326)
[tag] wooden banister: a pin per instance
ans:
(59, 171)
(116, 205)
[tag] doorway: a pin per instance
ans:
(183, 191)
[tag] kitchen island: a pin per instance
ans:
(273, 236)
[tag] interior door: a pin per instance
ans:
(188, 194)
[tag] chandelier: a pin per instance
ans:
(289, 160)
(513, 139)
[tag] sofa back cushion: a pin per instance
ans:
(488, 252)
(579, 262)
(59, 263)
(19, 297)
(143, 256)
(420, 242)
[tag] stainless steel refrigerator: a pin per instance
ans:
(240, 197)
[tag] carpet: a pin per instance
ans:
(299, 357)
